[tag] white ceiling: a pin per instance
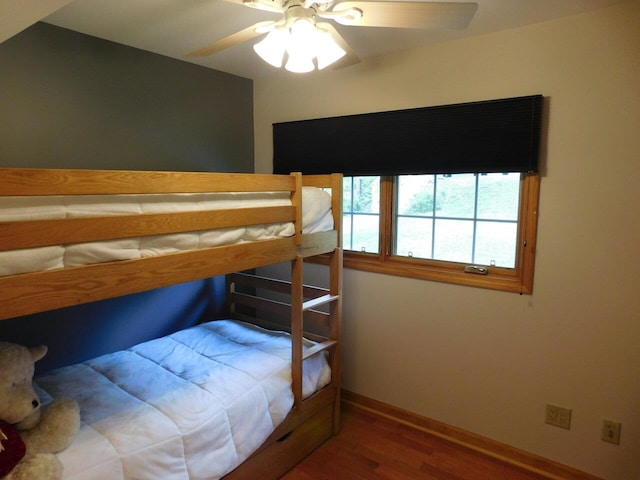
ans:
(176, 27)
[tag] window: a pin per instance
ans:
(425, 193)
(434, 226)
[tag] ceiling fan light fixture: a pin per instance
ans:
(301, 46)
(272, 47)
(299, 63)
(301, 41)
(316, 3)
(328, 51)
(303, 34)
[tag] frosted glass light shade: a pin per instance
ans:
(302, 42)
(301, 46)
(272, 47)
(327, 50)
(303, 34)
(299, 62)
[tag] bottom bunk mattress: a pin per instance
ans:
(192, 405)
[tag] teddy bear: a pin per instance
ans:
(28, 436)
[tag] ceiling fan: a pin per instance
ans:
(306, 42)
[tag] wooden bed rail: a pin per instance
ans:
(41, 233)
(28, 293)
(271, 310)
(35, 181)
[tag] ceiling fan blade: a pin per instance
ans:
(248, 33)
(350, 58)
(274, 6)
(449, 15)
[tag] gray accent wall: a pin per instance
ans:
(69, 100)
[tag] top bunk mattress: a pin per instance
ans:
(194, 404)
(316, 217)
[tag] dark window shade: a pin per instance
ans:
(484, 137)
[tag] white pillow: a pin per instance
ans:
(315, 205)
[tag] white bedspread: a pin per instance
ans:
(193, 405)
(316, 216)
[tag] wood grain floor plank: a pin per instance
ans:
(372, 447)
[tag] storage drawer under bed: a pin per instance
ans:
(275, 460)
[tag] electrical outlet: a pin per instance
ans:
(611, 431)
(558, 416)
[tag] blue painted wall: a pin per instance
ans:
(68, 100)
(77, 333)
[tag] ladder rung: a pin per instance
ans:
(315, 302)
(318, 348)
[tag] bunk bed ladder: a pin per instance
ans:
(331, 344)
(270, 310)
(266, 308)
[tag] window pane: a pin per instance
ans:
(365, 233)
(414, 237)
(366, 194)
(347, 198)
(496, 244)
(416, 194)
(456, 195)
(361, 220)
(488, 204)
(453, 240)
(498, 196)
(347, 240)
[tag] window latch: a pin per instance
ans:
(477, 269)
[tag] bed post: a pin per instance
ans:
(297, 300)
(335, 288)
(296, 200)
(336, 204)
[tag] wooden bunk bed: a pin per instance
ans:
(313, 313)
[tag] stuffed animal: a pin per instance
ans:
(29, 437)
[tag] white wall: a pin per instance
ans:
(489, 361)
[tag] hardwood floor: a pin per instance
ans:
(372, 447)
